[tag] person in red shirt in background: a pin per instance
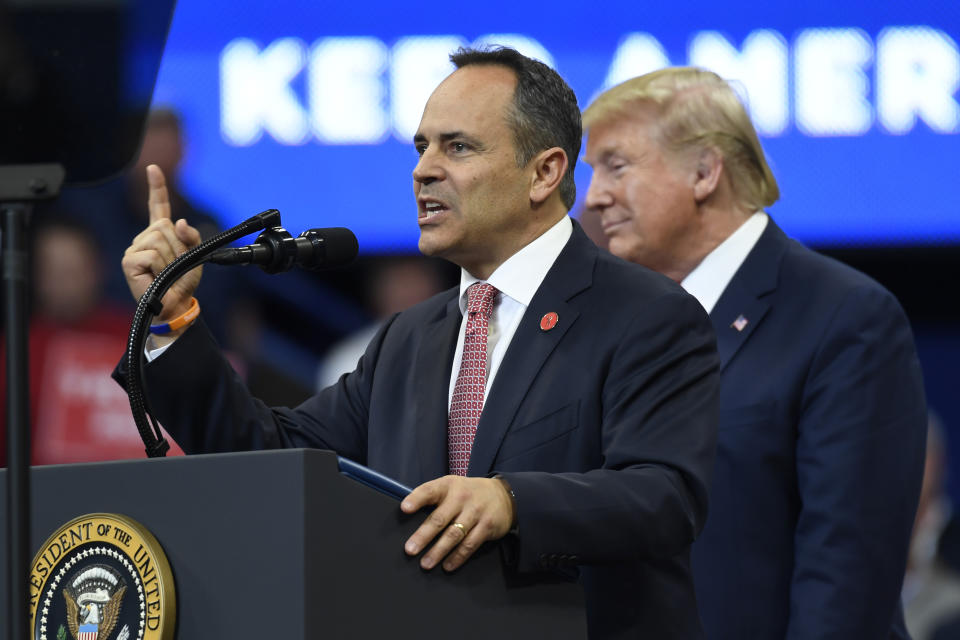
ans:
(77, 413)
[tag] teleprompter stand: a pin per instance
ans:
(20, 187)
(280, 544)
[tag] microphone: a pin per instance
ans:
(275, 250)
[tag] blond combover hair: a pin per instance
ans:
(696, 109)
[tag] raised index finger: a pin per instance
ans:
(159, 201)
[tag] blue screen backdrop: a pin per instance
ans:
(310, 107)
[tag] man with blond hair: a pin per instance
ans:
(822, 414)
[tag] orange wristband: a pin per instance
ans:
(180, 321)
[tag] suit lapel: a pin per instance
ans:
(434, 360)
(745, 301)
(531, 346)
(738, 312)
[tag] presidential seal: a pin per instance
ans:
(102, 576)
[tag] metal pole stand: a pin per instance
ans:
(20, 187)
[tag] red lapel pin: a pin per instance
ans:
(548, 321)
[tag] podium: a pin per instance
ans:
(280, 544)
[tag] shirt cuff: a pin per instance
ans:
(153, 352)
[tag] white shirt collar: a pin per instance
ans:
(707, 282)
(521, 274)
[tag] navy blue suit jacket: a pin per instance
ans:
(605, 426)
(820, 453)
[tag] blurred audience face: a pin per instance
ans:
(162, 145)
(67, 274)
(401, 284)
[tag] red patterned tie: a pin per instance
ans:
(467, 402)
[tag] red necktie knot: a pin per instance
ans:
(480, 298)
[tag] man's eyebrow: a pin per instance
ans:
(448, 136)
(608, 154)
(600, 158)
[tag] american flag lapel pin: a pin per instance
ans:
(740, 323)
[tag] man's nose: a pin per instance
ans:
(598, 196)
(428, 168)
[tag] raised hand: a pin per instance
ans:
(157, 246)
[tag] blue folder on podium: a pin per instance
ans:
(373, 479)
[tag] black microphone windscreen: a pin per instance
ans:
(340, 245)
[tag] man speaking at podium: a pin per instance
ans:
(559, 397)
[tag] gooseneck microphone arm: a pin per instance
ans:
(149, 306)
(274, 251)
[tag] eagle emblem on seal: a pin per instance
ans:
(93, 602)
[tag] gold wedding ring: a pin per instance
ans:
(463, 529)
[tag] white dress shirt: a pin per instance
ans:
(707, 282)
(517, 279)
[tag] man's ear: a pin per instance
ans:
(549, 167)
(707, 178)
